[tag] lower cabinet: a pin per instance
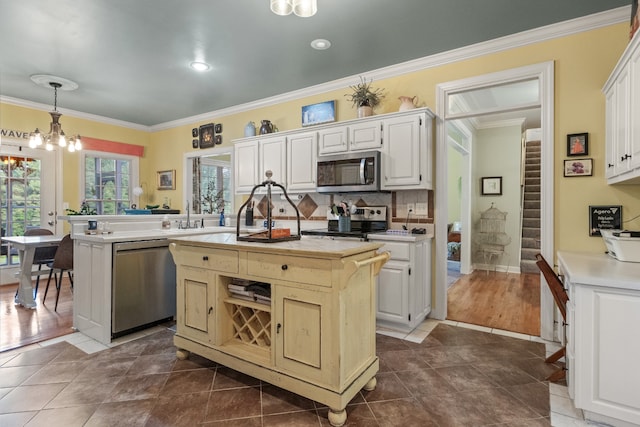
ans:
(195, 301)
(403, 287)
(316, 335)
(603, 347)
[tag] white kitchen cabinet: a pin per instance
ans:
(92, 295)
(366, 135)
(602, 350)
(354, 136)
(333, 140)
(403, 287)
(406, 162)
(246, 170)
(255, 156)
(302, 154)
(273, 156)
(404, 138)
(622, 89)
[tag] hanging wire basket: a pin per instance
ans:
(270, 235)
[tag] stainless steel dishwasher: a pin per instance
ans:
(143, 285)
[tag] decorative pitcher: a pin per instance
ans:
(250, 129)
(266, 127)
(407, 103)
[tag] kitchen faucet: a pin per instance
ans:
(188, 219)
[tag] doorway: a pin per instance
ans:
(448, 94)
(27, 196)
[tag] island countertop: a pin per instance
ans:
(325, 248)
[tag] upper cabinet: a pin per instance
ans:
(406, 156)
(366, 135)
(405, 140)
(622, 105)
(302, 150)
(252, 158)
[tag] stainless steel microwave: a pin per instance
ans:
(349, 172)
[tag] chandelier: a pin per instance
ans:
(302, 8)
(56, 135)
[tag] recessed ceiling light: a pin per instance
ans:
(321, 44)
(200, 66)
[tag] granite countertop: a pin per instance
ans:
(398, 237)
(153, 234)
(326, 248)
(599, 269)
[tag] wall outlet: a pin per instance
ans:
(411, 207)
(421, 209)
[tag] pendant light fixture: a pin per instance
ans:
(56, 135)
(302, 8)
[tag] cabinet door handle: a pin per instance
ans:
(210, 310)
(278, 326)
(609, 165)
(205, 258)
(284, 267)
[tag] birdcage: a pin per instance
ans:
(491, 237)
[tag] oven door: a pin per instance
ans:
(354, 172)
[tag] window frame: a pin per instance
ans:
(134, 176)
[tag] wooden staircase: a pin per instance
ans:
(530, 245)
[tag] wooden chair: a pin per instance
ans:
(561, 298)
(63, 261)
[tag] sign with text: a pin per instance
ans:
(607, 217)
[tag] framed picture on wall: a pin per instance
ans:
(167, 180)
(578, 167)
(491, 186)
(578, 144)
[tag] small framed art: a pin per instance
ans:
(578, 144)
(167, 180)
(323, 112)
(206, 135)
(491, 186)
(578, 167)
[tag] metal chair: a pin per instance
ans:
(63, 261)
(42, 256)
(561, 298)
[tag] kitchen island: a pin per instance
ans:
(315, 333)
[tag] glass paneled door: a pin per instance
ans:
(27, 194)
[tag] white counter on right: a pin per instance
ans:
(603, 339)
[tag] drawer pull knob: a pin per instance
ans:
(205, 258)
(278, 326)
(284, 267)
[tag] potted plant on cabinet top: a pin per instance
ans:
(364, 97)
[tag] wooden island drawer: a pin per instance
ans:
(313, 271)
(213, 259)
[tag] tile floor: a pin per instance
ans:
(441, 374)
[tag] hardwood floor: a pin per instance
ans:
(497, 300)
(20, 326)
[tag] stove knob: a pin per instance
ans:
(378, 212)
(371, 212)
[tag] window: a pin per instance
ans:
(215, 185)
(108, 182)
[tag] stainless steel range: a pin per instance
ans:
(370, 219)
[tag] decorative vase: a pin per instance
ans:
(407, 103)
(365, 111)
(266, 127)
(250, 129)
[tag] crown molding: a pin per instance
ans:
(72, 113)
(537, 35)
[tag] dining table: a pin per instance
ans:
(26, 246)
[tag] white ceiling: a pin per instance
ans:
(131, 57)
